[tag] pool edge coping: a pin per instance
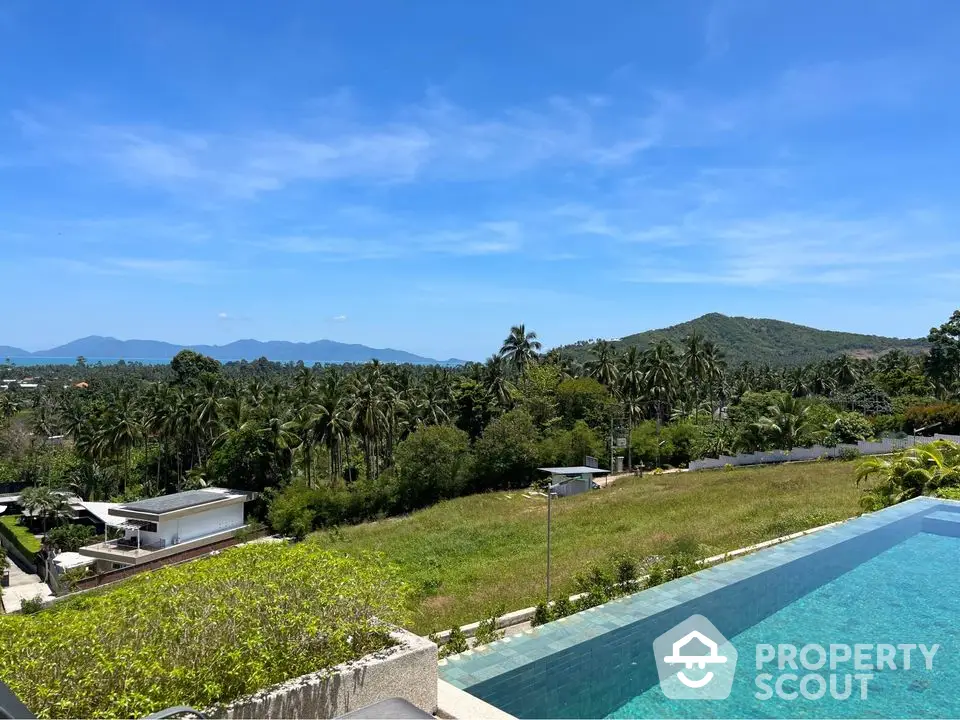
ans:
(478, 665)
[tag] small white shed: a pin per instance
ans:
(565, 481)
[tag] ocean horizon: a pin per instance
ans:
(24, 361)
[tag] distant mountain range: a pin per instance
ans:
(323, 351)
(773, 342)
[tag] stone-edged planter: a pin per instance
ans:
(407, 670)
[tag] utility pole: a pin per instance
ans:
(611, 441)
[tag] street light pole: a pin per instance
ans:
(549, 503)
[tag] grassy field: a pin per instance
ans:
(19, 534)
(468, 555)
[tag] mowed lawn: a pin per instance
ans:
(469, 555)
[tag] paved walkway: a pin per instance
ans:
(23, 586)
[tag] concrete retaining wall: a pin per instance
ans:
(408, 670)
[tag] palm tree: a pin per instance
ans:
(660, 381)
(520, 348)
(846, 372)
(43, 502)
(369, 418)
(715, 375)
(909, 474)
(631, 393)
(695, 367)
(786, 423)
(495, 381)
(604, 365)
(332, 421)
(121, 428)
(821, 379)
(796, 382)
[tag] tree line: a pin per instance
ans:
(373, 439)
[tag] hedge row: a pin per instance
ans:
(201, 633)
(19, 536)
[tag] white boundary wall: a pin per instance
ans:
(882, 447)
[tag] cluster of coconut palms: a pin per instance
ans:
(330, 423)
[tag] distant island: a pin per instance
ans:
(320, 351)
(772, 342)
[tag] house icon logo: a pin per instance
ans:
(695, 661)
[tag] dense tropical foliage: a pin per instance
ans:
(333, 444)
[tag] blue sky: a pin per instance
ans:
(422, 175)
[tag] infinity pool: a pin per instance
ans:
(890, 578)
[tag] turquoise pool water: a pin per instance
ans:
(909, 593)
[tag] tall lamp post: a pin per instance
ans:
(550, 495)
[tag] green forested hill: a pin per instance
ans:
(773, 342)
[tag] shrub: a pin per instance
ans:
(541, 615)
(456, 643)
(562, 607)
(488, 631)
(848, 453)
(31, 605)
(947, 414)
(201, 633)
(850, 427)
(655, 576)
(626, 572)
(69, 538)
(74, 575)
(298, 509)
(949, 493)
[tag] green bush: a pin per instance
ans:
(22, 539)
(562, 607)
(432, 464)
(947, 414)
(456, 643)
(626, 572)
(69, 538)
(850, 427)
(541, 615)
(201, 633)
(848, 453)
(32, 605)
(488, 631)
(298, 510)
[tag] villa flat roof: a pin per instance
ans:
(574, 470)
(174, 502)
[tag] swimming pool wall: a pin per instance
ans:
(602, 657)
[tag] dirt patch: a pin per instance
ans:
(438, 604)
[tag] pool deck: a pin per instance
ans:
(512, 653)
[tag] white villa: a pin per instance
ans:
(168, 525)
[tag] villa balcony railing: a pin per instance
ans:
(132, 544)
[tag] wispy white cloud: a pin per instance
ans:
(432, 139)
(397, 237)
(794, 249)
(185, 271)
(339, 318)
